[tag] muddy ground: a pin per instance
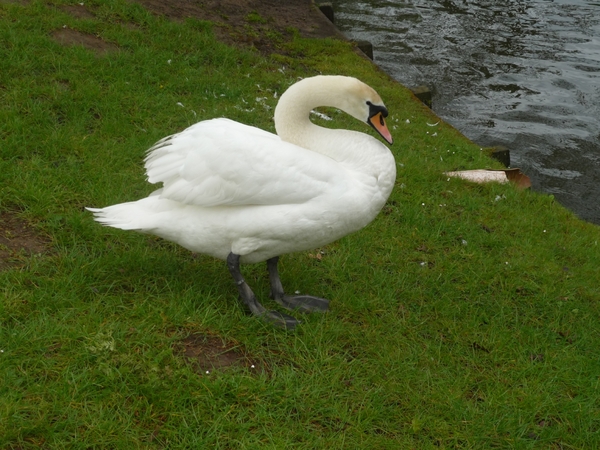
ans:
(238, 22)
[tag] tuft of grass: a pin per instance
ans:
(255, 17)
(464, 316)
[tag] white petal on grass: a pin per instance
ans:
(480, 175)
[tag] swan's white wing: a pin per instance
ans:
(222, 162)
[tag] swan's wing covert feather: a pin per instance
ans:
(222, 162)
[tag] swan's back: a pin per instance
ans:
(220, 162)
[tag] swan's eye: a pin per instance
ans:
(375, 109)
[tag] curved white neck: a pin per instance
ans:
(293, 124)
(292, 113)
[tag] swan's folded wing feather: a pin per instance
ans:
(222, 162)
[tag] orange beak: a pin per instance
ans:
(378, 122)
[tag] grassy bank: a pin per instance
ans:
(465, 316)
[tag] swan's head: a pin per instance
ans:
(377, 114)
(363, 103)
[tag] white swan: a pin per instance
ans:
(245, 195)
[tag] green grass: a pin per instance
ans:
(465, 316)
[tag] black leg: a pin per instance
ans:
(249, 299)
(302, 303)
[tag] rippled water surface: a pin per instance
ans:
(519, 73)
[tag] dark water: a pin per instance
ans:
(519, 73)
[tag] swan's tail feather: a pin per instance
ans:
(122, 216)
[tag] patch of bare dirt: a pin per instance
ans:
(18, 239)
(68, 36)
(209, 353)
(253, 23)
(250, 21)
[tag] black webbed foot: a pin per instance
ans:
(280, 320)
(302, 303)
